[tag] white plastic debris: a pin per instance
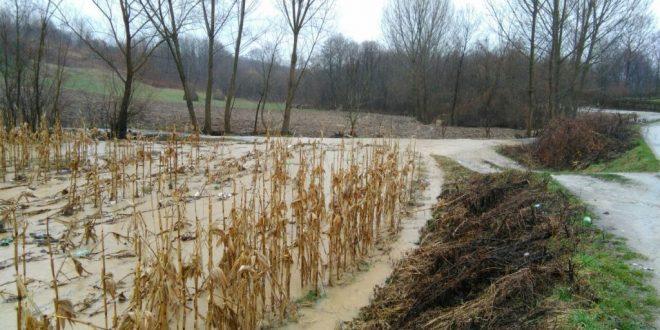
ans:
(224, 196)
(537, 205)
(526, 254)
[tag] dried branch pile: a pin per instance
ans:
(496, 246)
(576, 143)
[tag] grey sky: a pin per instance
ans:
(357, 19)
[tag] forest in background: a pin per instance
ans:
(540, 59)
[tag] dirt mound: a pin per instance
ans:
(495, 249)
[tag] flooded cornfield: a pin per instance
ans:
(183, 232)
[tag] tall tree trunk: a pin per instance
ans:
(457, 82)
(19, 69)
(209, 89)
(529, 122)
(187, 93)
(553, 70)
(209, 69)
(121, 126)
(232, 84)
(291, 86)
(36, 107)
(122, 121)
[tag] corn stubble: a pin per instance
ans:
(306, 216)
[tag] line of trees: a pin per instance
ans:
(540, 59)
(30, 89)
(547, 58)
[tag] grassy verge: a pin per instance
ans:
(638, 159)
(616, 295)
(608, 292)
(611, 177)
(452, 170)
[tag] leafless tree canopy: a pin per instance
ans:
(417, 30)
(127, 28)
(301, 14)
(440, 64)
(172, 18)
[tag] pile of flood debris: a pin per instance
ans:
(575, 143)
(496, 247)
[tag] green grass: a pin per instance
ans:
(611, 177)
(310, 298)
(639, 159)
(452, 170)
(618, 296)
(98, 81)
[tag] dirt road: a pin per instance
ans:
(628, 208)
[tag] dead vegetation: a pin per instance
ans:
(136, 223)
(494, 251)
(576, 143)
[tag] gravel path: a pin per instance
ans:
(652, 135)
(628, 209)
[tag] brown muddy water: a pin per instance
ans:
(217, 176)
(147, 202)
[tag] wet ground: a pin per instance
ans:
(629, 207)
(630, 210)
(237, 155)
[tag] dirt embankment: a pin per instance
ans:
(497, 246)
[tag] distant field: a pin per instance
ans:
(99, 82)
(169, 109)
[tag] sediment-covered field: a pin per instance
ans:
(181, 231)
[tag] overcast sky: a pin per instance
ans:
(357, 19)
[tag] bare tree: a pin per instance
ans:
(268, 57)
(518, 20)
(15, 17)
(301, 15)
(596, 27)
(229, 98)
(58, 80)
(332, 58)
(416, 29)
(38, 79)
(29, 90)
(465, 28)
(134, 43)
(556, 18)
(216, 14)
(170, 18)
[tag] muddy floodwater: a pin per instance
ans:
(312, 226)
